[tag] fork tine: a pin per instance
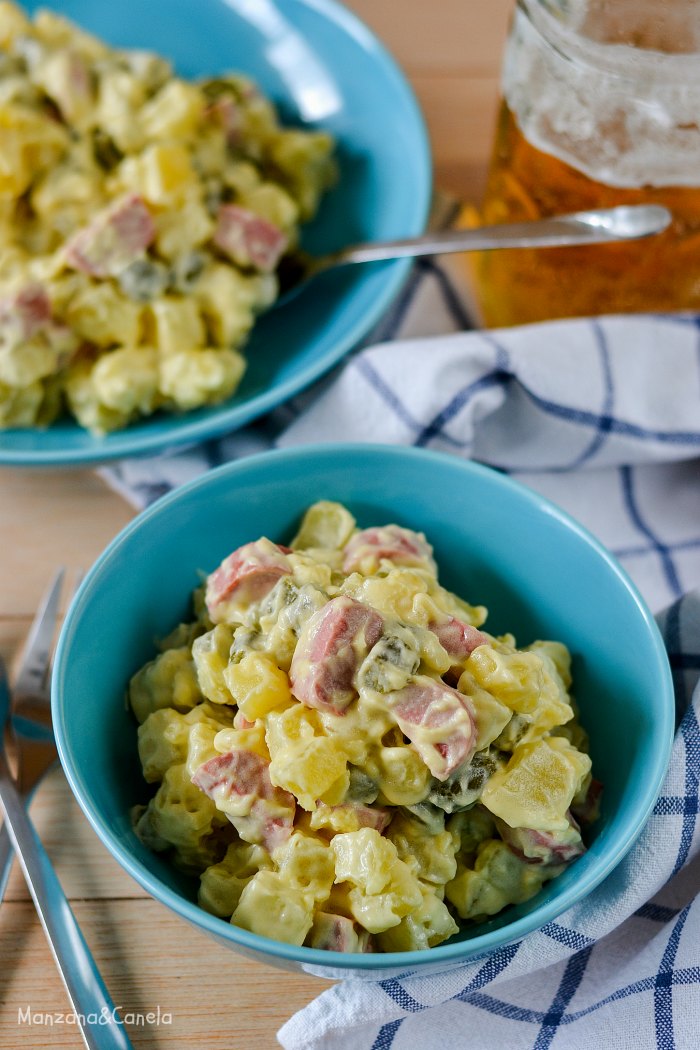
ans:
(36, 656)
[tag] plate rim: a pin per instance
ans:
(229, 420)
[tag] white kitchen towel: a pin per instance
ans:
(602, 416)
(620, 970)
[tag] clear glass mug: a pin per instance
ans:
(600, 106)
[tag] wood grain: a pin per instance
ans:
(451, 54)
(150, 959)
(50, 518)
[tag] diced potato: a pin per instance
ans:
(357, 729)
(431, 853)
(182, 814)
(162, 174)
(429, 924)
(59, 31)
(271, 202)
(491, 716)
(200, 745)
(395, 594)
(384, 887)
(307, 863)
(537, 786)
(162, 740)
(306, 162)
(294, 723)
(554, 708)
(201, 377)
(228, 300)
(29, 142)
(19, 406)
(270, 907)
(101, 314)
(126, 380)
(180, 229)
(211, 653)
(168, 681)
(65, 79)
(401, 774)
(559, 656)
(85, 404)
(380, 911)
(222, 884)
(219, 715)
(257, 685)
(173, 112)
(241, 176)
(325, 525)
(250, 739)
(13, 23)
(23, 364)
(311, 769)
(498, 879)
(65, 185)
(515, 678)
(120, 96)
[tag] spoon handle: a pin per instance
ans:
(97, 1018)
(585, 227)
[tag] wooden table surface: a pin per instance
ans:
(151, 959)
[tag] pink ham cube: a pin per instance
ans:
(366, 549)
(248, 239)
(458, 639)
(116, 237)
(426, 705)
(26, 312)
(245, 576)
(331, 647)
(264, 813)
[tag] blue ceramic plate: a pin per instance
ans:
(324, 69)
(538, 572)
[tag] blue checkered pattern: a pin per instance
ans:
(602, 417)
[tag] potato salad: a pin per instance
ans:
(345, 757)
(142, 220)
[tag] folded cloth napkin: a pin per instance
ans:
(603, 417)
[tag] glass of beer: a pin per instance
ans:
(600, 106)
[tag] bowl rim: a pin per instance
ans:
(178, 430)
(448, 953)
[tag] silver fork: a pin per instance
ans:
(31, 710)
(96, 1017)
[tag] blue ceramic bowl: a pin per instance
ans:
(540, 574)
(325, 69)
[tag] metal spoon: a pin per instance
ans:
(599, 226)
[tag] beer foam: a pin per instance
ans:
(622, 117)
